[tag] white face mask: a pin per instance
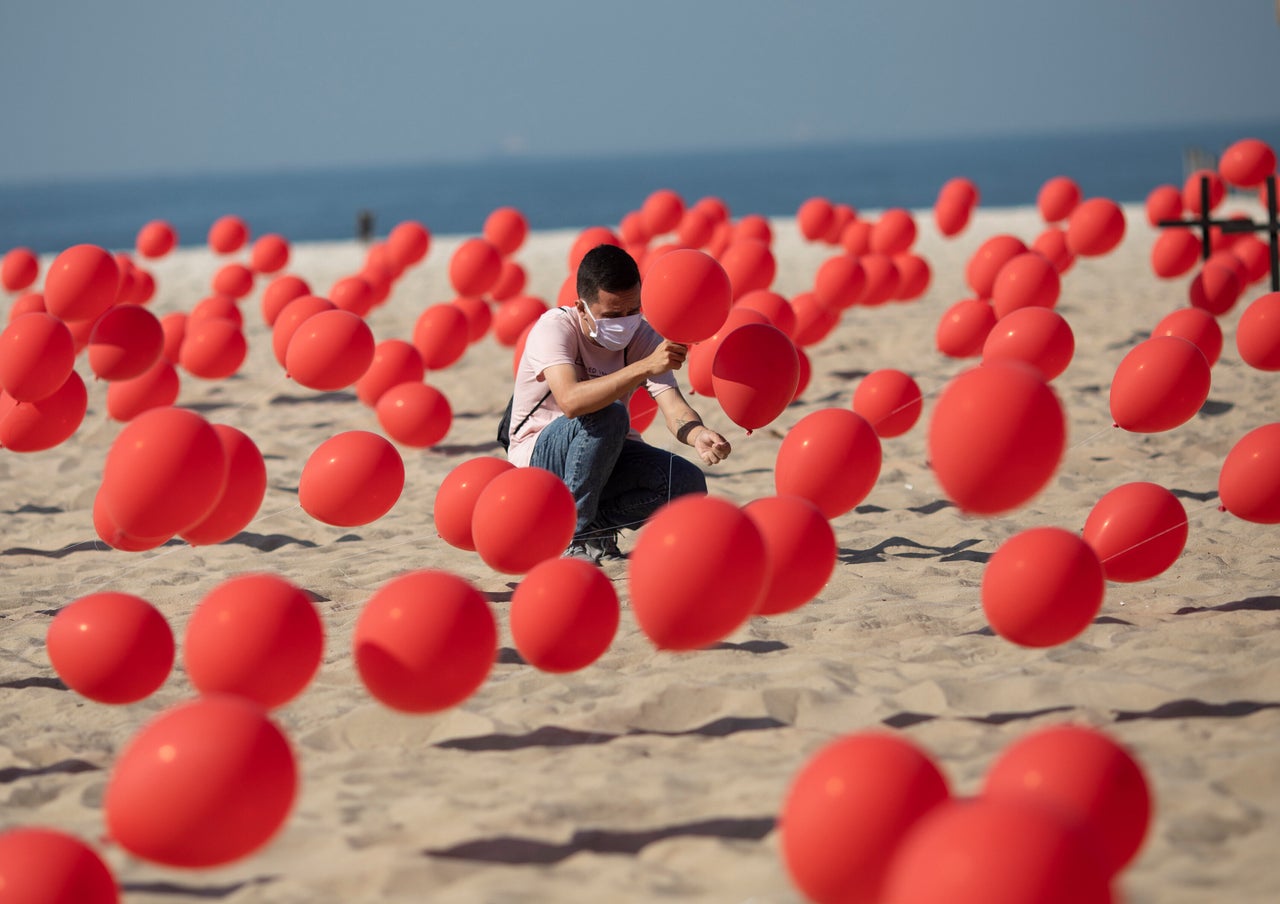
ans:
(614, 333)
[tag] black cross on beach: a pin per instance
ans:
(1205, 223)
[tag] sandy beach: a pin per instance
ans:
(656, 776)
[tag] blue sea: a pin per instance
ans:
(455, 198)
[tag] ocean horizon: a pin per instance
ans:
(563, 193)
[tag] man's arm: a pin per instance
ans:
(578, 397)
(686, 425)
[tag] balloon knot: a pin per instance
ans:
(749, 432)
(1221, 507)
(1115, 425)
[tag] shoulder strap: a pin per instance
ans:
(525, 419)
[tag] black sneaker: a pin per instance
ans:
(582, 549)
(606, 547)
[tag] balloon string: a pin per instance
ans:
(1156, 536)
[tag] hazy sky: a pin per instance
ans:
(142, 86)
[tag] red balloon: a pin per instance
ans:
(217, 306)
(964, 327)
(806, 372)
(1164, 202)
(330, 350)
(695, 229)
(1095, 227)
(165, 471)
(144, 288)
(882, 279)
(984, 266)
(1258, 333)
(1192, 191)
(1027, 280)
(441, 335)
(855, 238)
(753, 226)
(686, 295)
(1255, 255)
(228, 234)
(1175, 253)
(18, 269)
(1084, 775)
(522, 517)
(505, 228)
(43, 424)
(82, 282)
(126, 341)
(394, 361)
(814, 320)
(292, 316)
(1216, 288)
(479, 315)
(37, 355)
(773, 306)
(202, 784)
(354, 294)
(157, 387)
(894, 233)
(474, 267)
(754, 374)
(43, 866)
(800, 548)
(278, 293)
(831, 457)
(174, 327)
(1057, 198)
(425, 641)
(1042, 587)
(586, 240)
(1052, 243)
(995, 851)
(270, 254)
(955, 204)
(913, 276)
(662, 211)
(415, 414)
(1249, 482)
(1195, 325)
(514, 316)
(510, 282)
(890, 400)
(696, 573)
(28, 303)
(996, 437)
(234, 280)
(351, 479)
(749, 264)
(246, 486)
(564, 614)
(110, 647)
(814, 217)
(841, 216)
(840, 282)
(455, 501)
(213, 348)
(111, 534)
(848, 809)
(1137, 530)
(408, 243)
(1160, 384)
(1247, 162)
(255, 636)
(643, 409)
(1036, 336)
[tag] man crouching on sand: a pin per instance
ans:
(575, 377)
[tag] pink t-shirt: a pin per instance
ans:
(557, 338)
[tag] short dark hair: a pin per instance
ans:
(606, 267)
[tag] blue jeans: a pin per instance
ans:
(616, 482)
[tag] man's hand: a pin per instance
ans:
(711, 446)
(667, 356)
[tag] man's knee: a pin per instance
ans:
(686, 478)
(611, 420)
